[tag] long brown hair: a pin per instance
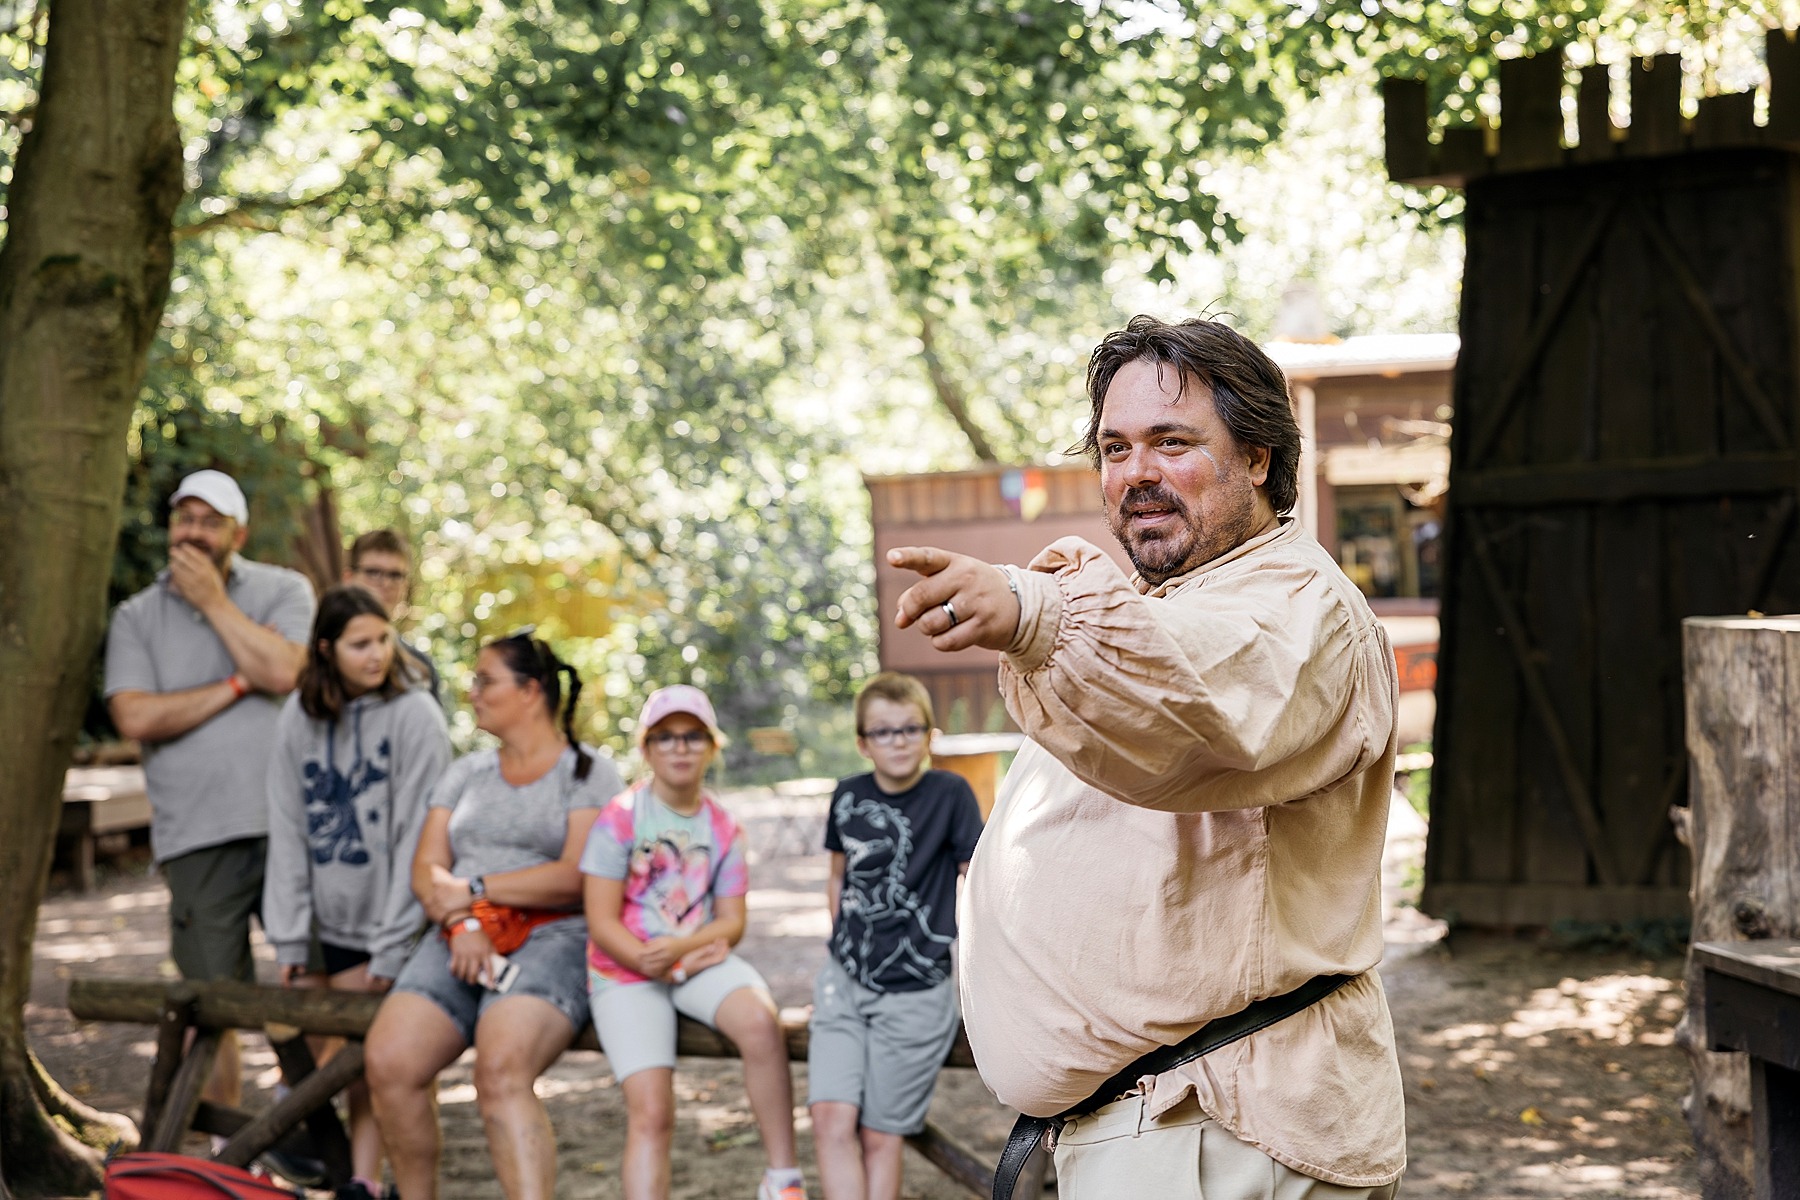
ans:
(322, 691)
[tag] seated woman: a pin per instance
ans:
(665, 904)
(357, 751)
(496, 872)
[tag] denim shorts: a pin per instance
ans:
(552, 966)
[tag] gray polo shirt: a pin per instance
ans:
(210, 785)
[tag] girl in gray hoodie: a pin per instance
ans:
(358, 749)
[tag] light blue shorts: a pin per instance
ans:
(635, 1022)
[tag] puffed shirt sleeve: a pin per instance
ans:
(1204, 698)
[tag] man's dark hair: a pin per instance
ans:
(1249, 391)
(529, 657)
(321, 686)
(379, 541)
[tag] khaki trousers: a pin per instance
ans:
(1116, 1153)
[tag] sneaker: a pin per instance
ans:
(768, 1191)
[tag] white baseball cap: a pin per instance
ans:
(217, 489)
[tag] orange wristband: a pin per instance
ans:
(239, 689)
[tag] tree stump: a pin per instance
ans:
(1742, 683)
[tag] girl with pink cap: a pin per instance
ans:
(665, 882)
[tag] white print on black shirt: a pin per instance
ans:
(876, 897)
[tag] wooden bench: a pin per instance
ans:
(173, 1105)
(100, 802)
(1751, 993)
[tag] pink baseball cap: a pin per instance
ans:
(678, 698)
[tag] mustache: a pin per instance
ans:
(1156, 496)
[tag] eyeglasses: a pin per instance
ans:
(381, 575)
(211, 522)
(693, 739)
(891, 736)
(482, 682)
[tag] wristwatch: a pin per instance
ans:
(477, 887)
(467, 924)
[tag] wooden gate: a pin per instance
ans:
(1627, 401)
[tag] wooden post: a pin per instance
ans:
(184, 1093)
(171, 1039)
(1742, 681)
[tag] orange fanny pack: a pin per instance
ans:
(508, 927)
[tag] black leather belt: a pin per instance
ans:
(1027, 1132)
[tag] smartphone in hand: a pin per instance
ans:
(500, 973)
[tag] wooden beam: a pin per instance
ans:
(1407, 124)
(190, 1080)
(1617, 482)
(1655, 106)
(221, 1120)
(1593, 116)
(316, 1090)
(1531, 117)
(172, 1025)
(227, 1004)
(953, 1159)
(1740, 370)
(1775, 537)
(1546, 324)
(1593, 831)
(331, 1146)
(1527, 905)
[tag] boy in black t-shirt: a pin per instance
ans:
(884, 1005)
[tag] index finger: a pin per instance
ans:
(926, 560)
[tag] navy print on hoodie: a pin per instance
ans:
(332, 829)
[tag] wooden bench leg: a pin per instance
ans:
(1775, 1129)
(171, 1039)
(315, 1090)
(184, 1092)
(330, 1143)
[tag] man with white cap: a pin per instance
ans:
(196, 665)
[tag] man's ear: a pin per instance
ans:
(1259, 458)
(238, 539)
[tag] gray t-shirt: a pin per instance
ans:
(207, 786)
(496, 827)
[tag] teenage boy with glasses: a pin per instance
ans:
(884, 1004)
(381, 561)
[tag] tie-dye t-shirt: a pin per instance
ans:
(673, 867)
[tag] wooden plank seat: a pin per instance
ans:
(173, 1105)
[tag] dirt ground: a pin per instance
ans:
(1531, 1071)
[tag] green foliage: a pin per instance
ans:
(612, 299)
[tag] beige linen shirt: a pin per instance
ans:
(1196, 823)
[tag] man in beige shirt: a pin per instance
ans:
(1196, 824)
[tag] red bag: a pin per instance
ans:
(149, 1175)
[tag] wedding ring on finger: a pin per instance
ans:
(950, 612)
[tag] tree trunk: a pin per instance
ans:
(948, 394)
(1742, 680)
(84, 273)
